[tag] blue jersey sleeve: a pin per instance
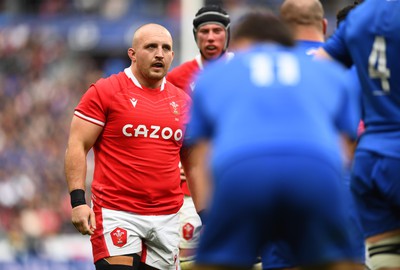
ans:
(199, 125)
(336, 46)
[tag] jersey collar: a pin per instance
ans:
(130, 75)
(199, 62)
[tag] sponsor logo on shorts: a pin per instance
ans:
(119, 237)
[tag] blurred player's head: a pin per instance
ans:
(342, 13)
(260, 26)
(305, 18)
(211, 29)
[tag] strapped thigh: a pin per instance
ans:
(104, 265)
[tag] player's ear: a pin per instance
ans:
(132, 54)
(324, 25)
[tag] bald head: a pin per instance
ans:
(302, 11)
(149, 30)
(305, 18)
(151, 54)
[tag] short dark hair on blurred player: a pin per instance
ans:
(342, 13)
(262, 26)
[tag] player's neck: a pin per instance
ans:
(146, 82)
(309, 34)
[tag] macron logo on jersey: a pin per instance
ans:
(134, 102)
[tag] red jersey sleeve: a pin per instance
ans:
(94, 104)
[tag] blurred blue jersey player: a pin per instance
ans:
(306, 20)
(370, 38)
(267, 124)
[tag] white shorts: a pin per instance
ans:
(190, 224)
(120, 233)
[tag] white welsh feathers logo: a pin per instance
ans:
(119, 237)
(175, 107)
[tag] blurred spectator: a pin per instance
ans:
(41, 82)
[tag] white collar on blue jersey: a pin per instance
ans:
(130, 75)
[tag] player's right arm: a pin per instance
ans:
(82, 137)
(195, 163)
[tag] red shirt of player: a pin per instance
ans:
(137, 153)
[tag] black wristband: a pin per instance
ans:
(202, 215)
(77, 197)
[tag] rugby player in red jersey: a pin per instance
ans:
(135, 123)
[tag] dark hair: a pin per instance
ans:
(263, 26)
(212, 14)
(342, 13)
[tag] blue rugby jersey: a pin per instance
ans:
(370, 39)
(272, 99)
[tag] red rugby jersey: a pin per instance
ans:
(183, 76)
(137, 153)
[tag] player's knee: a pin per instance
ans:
(385, 254)
(187, 265)
(187, 254)
(257, 266)
(186, 257)
(105, 264)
